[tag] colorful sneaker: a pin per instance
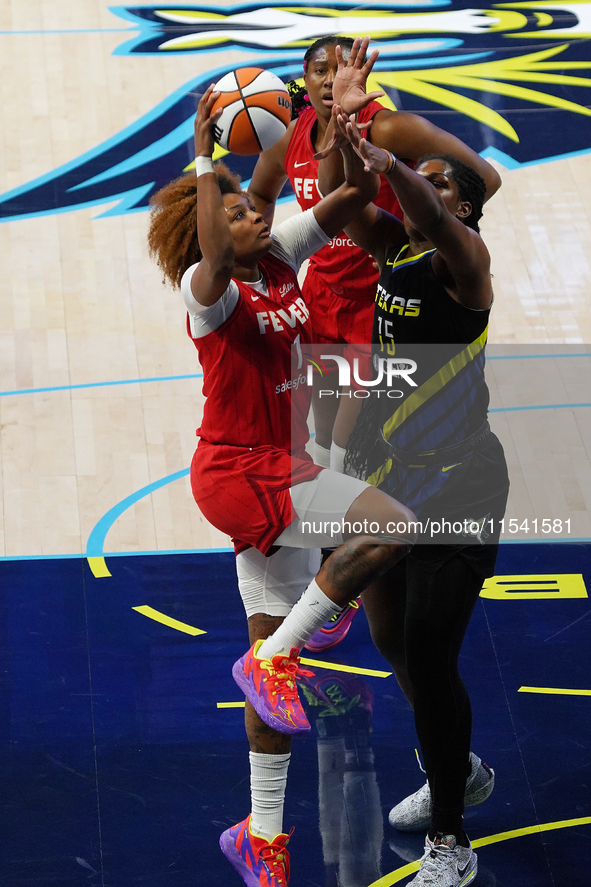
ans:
(445, 864)
(413, 814)
(333, 631)
(271, 688)
(260, 863)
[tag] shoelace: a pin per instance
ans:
(354, 605)
(282, 673)
(434, 854)
(276, 858)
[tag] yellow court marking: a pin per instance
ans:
(98, 567)
(189, 629)
(537, 586)
(231, 704)
(151, 613)
(397, 875)
(336, 666)
(555, 691)
(531, 830)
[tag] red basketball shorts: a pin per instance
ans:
(245, 492)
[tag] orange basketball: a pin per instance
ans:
(257, 110)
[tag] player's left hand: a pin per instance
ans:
(349, 85)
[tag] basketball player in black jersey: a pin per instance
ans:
(435, 452)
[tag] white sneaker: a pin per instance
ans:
(414, 813)
(444, 864)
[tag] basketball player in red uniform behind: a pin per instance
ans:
(341, 281)
(251, 475)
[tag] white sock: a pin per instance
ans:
(268, 778)
(321, 455)
(309, 614)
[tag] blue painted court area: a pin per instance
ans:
(120, 769)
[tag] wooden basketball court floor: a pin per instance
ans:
(123, 755)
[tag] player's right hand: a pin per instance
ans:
(205, 122)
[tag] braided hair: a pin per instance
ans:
(366, 449)
(298, 94)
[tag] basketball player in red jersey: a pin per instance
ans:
(340, 284)
(251, 475)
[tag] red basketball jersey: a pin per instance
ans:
(253, 396)
(347, 270)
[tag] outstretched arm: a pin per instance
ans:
(214, 272)
(344, 204)
(411, 137)
(369, 227)
(269, 177)
(406, 135)
(462, 262)
(373, 229)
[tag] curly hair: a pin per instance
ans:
(298, 94)
(172, 235)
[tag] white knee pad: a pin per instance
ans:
(273, 584)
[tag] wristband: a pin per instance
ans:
(203, 165)
(392, 163)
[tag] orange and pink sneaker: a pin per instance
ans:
(260, 863)
(270, 685)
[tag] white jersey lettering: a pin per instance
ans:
(263, 319)
(291, 319)
(290, 315)
(277, 325)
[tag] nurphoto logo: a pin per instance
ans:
(388, 370)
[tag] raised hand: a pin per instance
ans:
(375, 160)
(349, 85)
(204, 123)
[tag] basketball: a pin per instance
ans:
(257, 110)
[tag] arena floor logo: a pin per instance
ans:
(507, 78)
